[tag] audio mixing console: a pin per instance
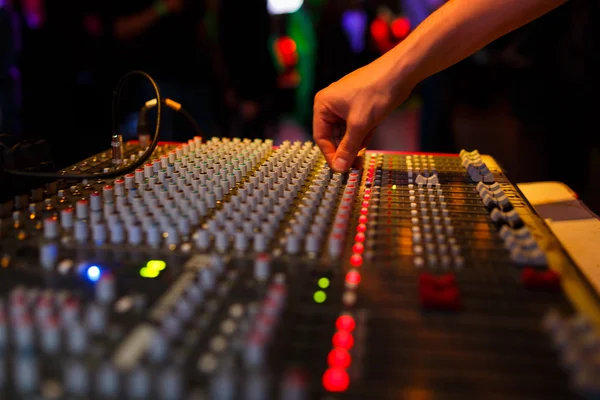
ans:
(231, 269)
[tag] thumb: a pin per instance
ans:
(349, 147)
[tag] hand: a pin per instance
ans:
(353, 107)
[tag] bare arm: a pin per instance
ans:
(458, 29)
(358, 102)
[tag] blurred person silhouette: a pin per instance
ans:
(10, 46)
(245, 66)
(163, 38)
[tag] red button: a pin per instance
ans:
(356, 260)
(339, 358)
(336, 380)
(343, 339)
(534, 279)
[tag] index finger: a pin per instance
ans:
(324, 134)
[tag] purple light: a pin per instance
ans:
(354, 23)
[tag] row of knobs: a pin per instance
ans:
(578, 347)
(162, 216)
(478, 171)
(518, 239)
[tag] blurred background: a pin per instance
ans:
(251, 69)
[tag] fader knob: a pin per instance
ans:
(117, 233)
(105, 288)
(260, 242)
(26, 373)
(96, 201)
(170, 385)
(48, 255)
(77, 338)
(107, 381)
(293, 244)
(134, 234)
(241, 241)
(99, 234)
(81, 230)
(76, 378)
(66, 218)
(51, 228)
(138, 385)
(202, 238)
(262, 267)
(159, 350)
(153, 234)
(50, 336)
(95, 318)
(221, 241)
(313, 243)
(82, 209)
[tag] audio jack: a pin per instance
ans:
(143, 131)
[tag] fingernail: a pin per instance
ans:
(340, 165)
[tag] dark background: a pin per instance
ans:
(529, 99)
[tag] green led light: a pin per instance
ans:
(323, 283)
(319, 296)
(152, 268)
(157, 265)
(149, 273)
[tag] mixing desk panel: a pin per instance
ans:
(231, 269)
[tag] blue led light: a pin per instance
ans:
(93, 273)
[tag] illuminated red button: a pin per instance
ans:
(358, 248)
(336, 380)
(353, 277)
(356, 260)
(365, 203)
(364, 211)
(343, 339)
(361, 228)
(363, 219)
(339, 358)
(345, 323)
(534, 279)
(366, 196)
(445, 299)
(368, 190)
(437, 282)
(359, 237)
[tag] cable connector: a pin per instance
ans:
(116, 144)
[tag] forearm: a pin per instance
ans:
(457, 30)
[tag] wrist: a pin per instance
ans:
(404, 71)
(160, 8)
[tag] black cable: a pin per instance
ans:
(173, 105)
(115, 128)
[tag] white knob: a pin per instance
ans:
(262, 267)
(51, 228)
(81, 230)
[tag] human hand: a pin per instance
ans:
(351, 108)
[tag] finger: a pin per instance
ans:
(324, 136)
(348, 149)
